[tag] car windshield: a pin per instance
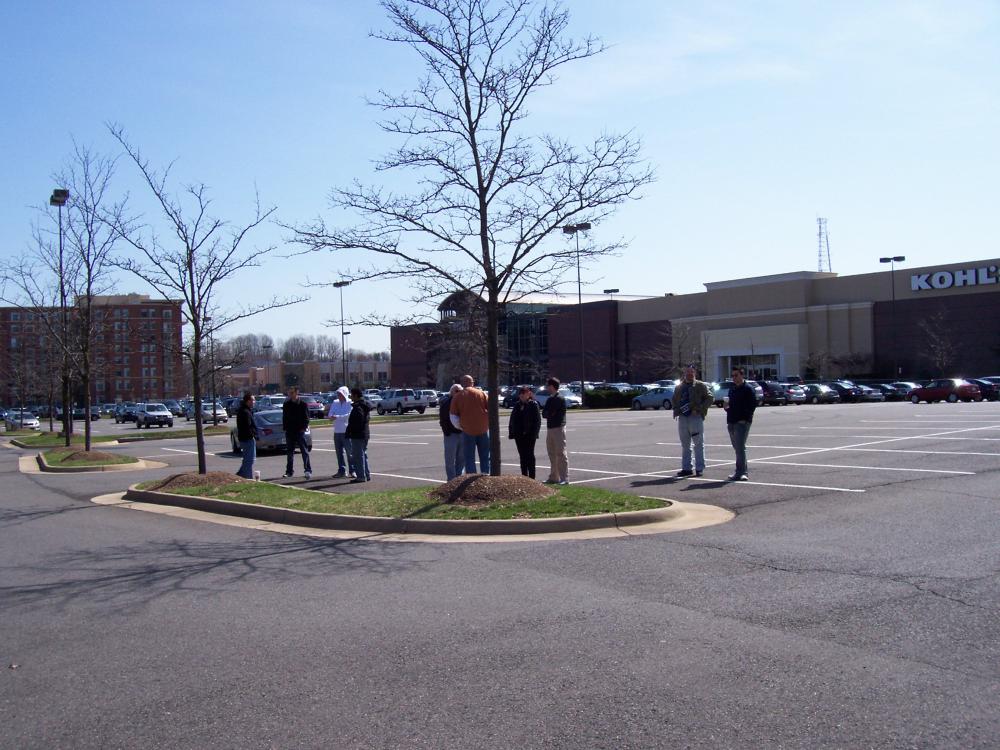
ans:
(155, 408)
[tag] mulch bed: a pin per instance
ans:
(97, 457)
(476, 490)
(193, 479)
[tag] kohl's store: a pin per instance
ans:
(932, 321)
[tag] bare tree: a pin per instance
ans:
(298, 348)
(68, 273)
(939, 343)
(489, 196)
(204, 253)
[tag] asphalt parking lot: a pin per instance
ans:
(853, 450)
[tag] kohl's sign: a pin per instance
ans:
(948, 279)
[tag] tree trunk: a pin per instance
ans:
(67, 415)
(199, 430)
(492, 377)
(85, 383)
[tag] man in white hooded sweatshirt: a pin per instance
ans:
(339, 411)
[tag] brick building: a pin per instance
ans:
(137, 345)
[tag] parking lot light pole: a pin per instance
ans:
(892, 261)
(343, 347)
(575, 230)
(58, 199)
(613, 358)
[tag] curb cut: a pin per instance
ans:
(289, 516)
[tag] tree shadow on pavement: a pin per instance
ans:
(129, 576)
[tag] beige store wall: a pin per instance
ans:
(785, 341)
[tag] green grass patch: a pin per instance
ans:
(60, 457)
(53, 439)
(161, 434)
(414, 502)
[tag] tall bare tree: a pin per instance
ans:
(489, 196)
(204, 252)
(69, 271)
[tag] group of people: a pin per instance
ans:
(350, 415)
(464, 419)
(691, 403)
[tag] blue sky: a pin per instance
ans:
(758, 117)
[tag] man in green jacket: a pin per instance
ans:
(691, 404)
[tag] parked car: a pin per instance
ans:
(317, 409)
(174, 407)
(774, 393)
(270, 435)
(655, 398)
(402, 400)
(758, 389)
(946, 389)
(890, 393)
(16, 420)
(149, 414)
(796, 393)
(868, 393)
(220, 414)
(847, 390)
(125, 412)
(266, 403)
(990, 390)
(373, 400)
(573, 400)
(431, 397)
(95, 413)
(818, 393)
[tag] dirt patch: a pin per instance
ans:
(476, 490)
(191, 479)
(94, 457)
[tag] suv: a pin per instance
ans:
(125, 412)
(147, 415)
(402, 400)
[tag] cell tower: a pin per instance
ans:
(823, 255)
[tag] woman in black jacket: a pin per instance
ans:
(357, 433)
(525, 422)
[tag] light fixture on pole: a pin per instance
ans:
(892, 261)
(343, 346)
(575, 230)
(58, 198)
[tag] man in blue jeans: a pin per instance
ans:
(295, 422)
(246, 434)
(740, 405)
(691, 404)
(469, 413)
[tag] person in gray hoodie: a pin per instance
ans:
(339, 411)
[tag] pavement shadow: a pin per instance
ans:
(127, 577)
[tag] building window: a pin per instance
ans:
(14, 316)
(168, 314)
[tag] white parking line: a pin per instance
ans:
(933, 451)
(179, 450)
(866, 468)
(393, 442)
(403, 476)
(709, 479)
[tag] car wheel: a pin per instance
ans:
(379, 410)
(400, 410)
(236, 446)
(915, 399)
(815, 399)
(666, 403)
(952, 398)
(636, 406)
(420, 410)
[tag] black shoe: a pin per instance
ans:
(685, 473)
(698, 473)
(288, 474)
(358, 481)
(340, 475)
(733, 478)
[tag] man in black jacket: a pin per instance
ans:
(740, 405)
(554, 412)
(295, 422)
(454, 456)
(246, 434)
(525, 424)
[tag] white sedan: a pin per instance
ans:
(26, 421)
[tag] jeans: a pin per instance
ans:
(343, 450)
(555, 446)
(295, 440)
(359, 458)
(692, 429)
(249, 450)
(738, 434)
(454, 457)
(470, 445)
(526, 452)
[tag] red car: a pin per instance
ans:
(946, 389)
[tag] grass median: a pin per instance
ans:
(54, 439)
(75, 458)
(415, 502)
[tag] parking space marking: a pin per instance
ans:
(403, 476)
(179, 450)
(667, 475)
(853, 450)
(394, 442)
(867, 468)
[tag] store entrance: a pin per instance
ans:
(756, 366)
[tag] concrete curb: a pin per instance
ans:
(19, 444)
(45, 466)
(291, 517)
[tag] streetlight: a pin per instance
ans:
(613, 358)
(575, 229)
(343, 346)
(267, 359)
(344, 351)
(58, 198)
(211, 360)
(892, 261)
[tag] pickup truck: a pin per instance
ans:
(402, 400)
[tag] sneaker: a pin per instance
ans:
(288, 474)
(357, 481)
(551, 481)
(698, 473)
(685, 473)
(340, 475)
(309, 475)
(734, 478)
(744, 478)
(563, 482)
(353, 475)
